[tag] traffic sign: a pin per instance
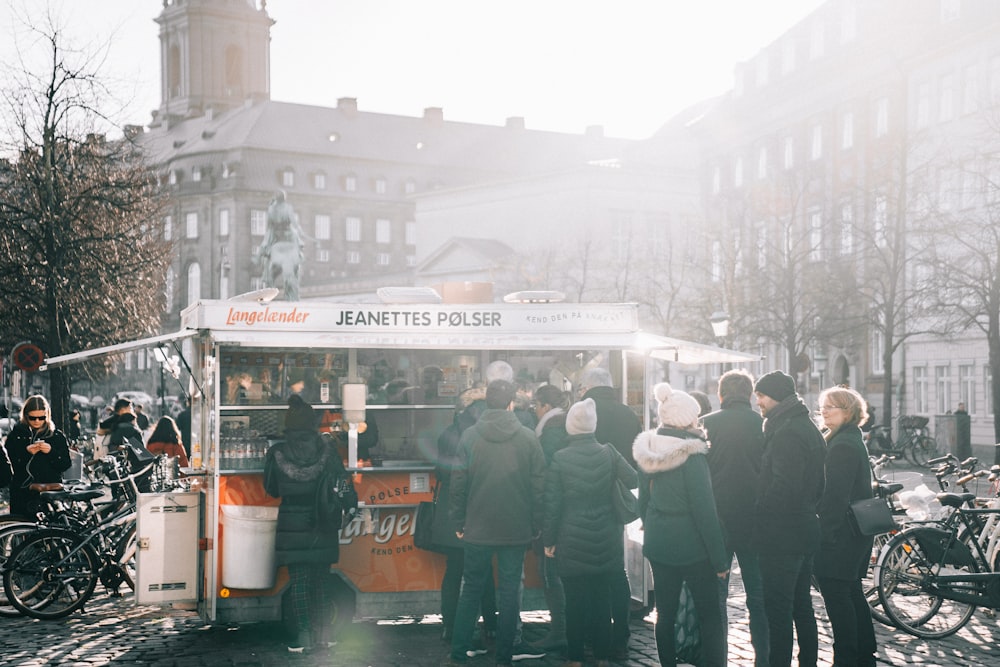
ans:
(27, 356)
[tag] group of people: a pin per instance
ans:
(36, 451)
(770, 488)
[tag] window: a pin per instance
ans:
(191, 225)
(169, 290)
(353, 257)
(194, 283)
(380, 186)
(923, 105)
(410, 231)
(716, 261)
(878, 347)
(322, 255)
(224, 222)
(920, 403)
(880, 220)
(350, 183)
(946, 110)
(846, 229)
(788, 56)
(942, 387)
(383, 231)
(322, 227)
(761, 244)
(172, 177)
(847, 131)
(815, 235)
(882, 117)
(762, 163)
(319, 181)
(988, 389)
(410, 186)
(168, 228)
(128, 361)
(817, 38)
(789, 159)
(411, 261)
(738, 172)
(383, 259)
(970, 90)
(716, 180)
(256, 283)
(196, 174)
(967, 387)
(995, 79)
(258, 222)
(816, 149)
(353, 229)
(762, 70)
(287, 178)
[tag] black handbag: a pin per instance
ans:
(622, 499)
(423, 523)
(871, 516)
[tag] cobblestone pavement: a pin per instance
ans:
(113, 631)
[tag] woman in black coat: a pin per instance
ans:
(293, 469)
(38, 453)
(843, 558)
(582, 532)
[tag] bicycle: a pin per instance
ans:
(914, 441)
(932, 577)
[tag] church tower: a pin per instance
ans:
(214, 55)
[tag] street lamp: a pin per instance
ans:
(720, 325)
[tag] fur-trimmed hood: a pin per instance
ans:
(654, 452)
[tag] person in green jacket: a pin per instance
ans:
(682, 534)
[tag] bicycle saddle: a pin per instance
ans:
(955, 499)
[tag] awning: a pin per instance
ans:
(154, 341)
(687, 352)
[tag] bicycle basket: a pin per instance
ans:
(913, 421)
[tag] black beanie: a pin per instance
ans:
(775, 384)
(300, 415)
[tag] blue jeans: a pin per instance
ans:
(787, 578)
(753, 586)
(479, 566)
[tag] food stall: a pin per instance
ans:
(412, 363)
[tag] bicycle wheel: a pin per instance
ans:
(50, 574)
(868, 583)
(11, 535)
(905, 576)
(125, 556)
(921, 449)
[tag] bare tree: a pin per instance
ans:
(82, 260)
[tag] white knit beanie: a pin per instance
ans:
(582, 417)
(675, 408)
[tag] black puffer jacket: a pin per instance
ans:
(791, 481)
(580, 518)
(292, 470)
(616, 423)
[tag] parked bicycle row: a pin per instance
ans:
(930, 574)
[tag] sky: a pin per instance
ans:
(562, 65)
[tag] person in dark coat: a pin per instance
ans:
(843, 558)
(618, 425)
(496, 510)
(682, 536)
(785, 523)
(38, 452)
(550, 404)
(582, 532)
(442, 533)
(292, 471)
(735, 450)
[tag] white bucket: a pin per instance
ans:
(248, 546)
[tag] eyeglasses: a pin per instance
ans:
(36, 418)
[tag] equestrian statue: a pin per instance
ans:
(281, 251)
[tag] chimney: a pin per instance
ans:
(434, 114)
(515, 122)
(348, 105)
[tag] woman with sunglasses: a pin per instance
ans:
(38, 453)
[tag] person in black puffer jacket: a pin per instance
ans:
(582, 532)
(38, 453)
(292, 471)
